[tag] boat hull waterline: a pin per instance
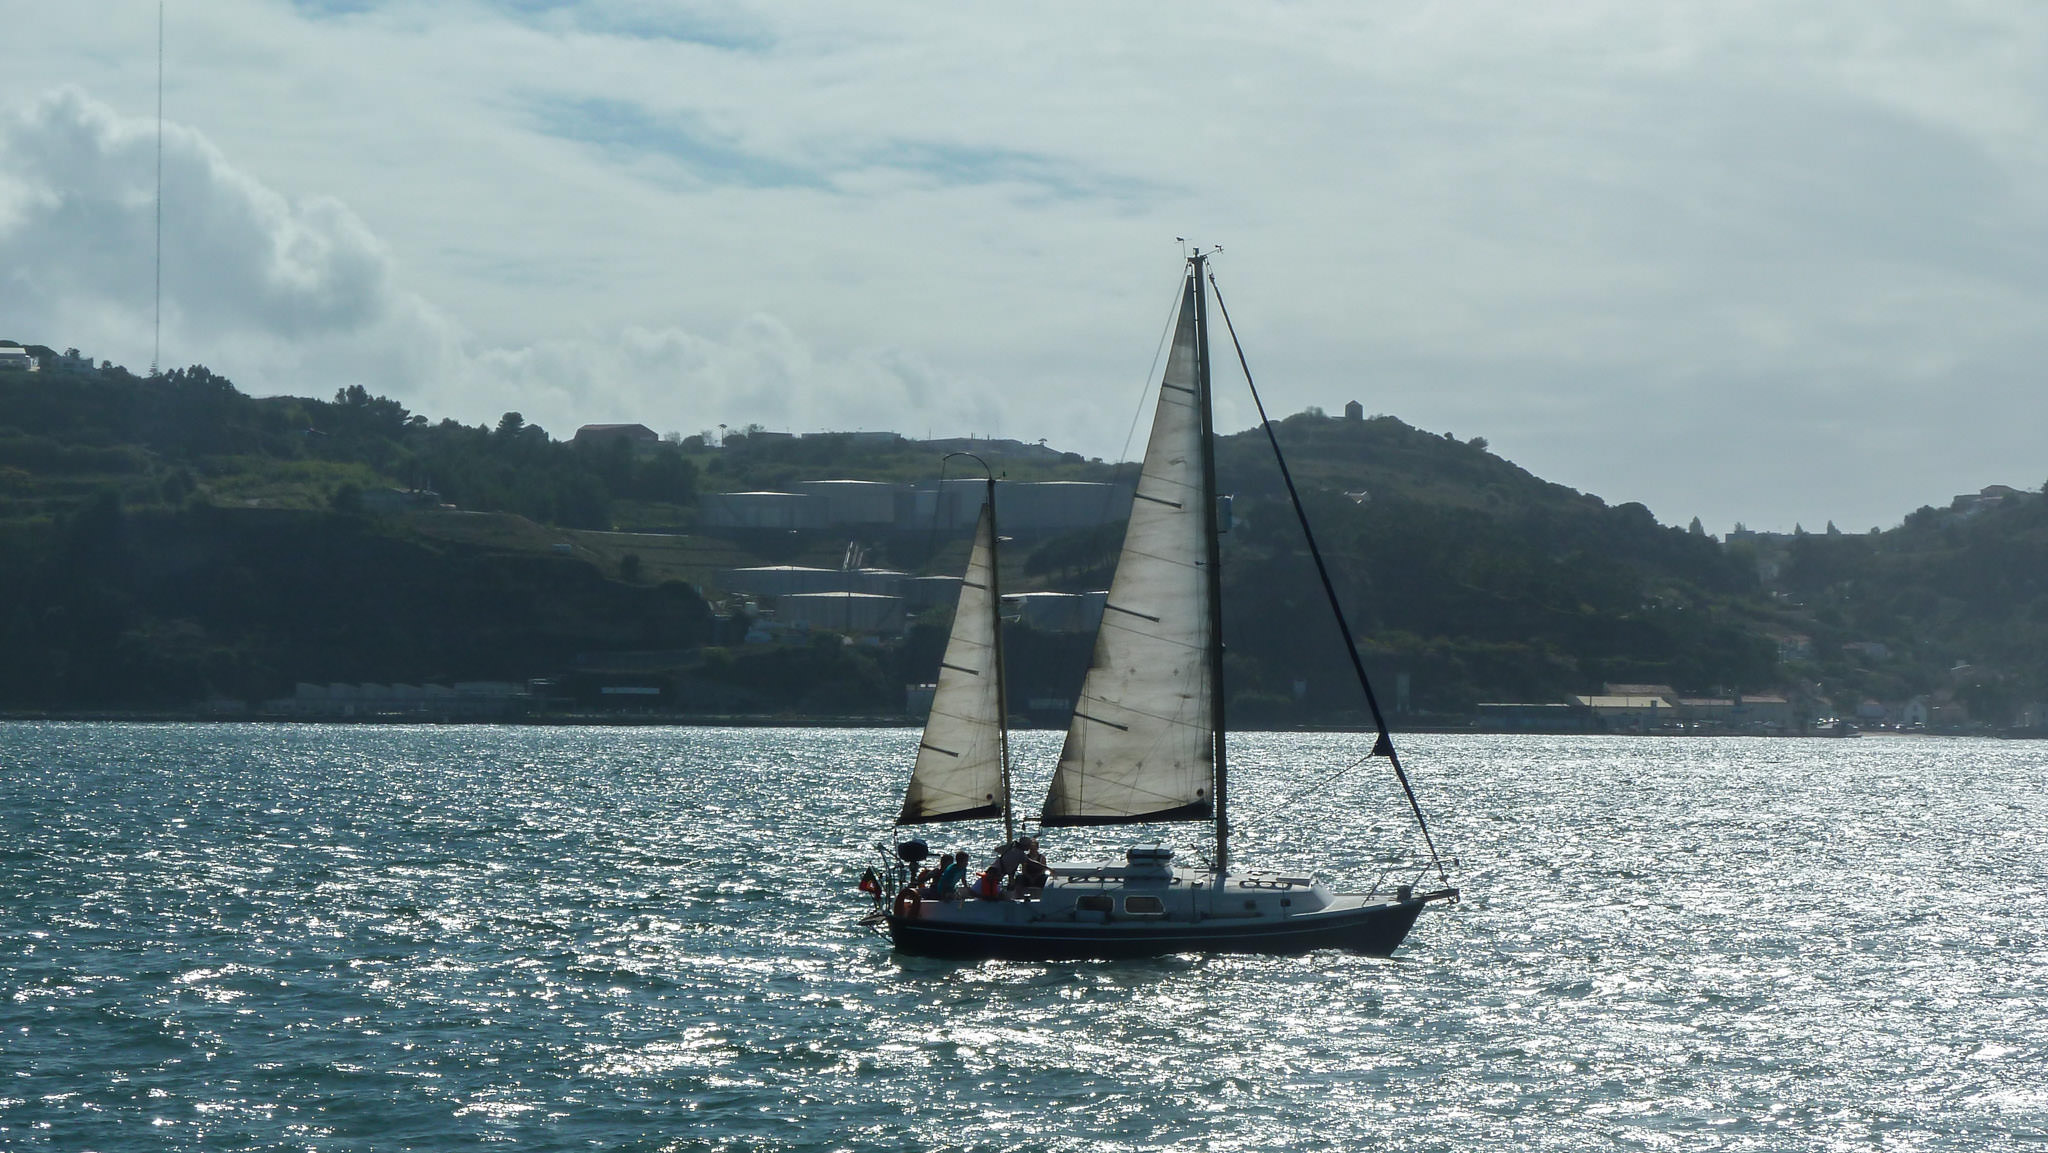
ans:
(1059, 924)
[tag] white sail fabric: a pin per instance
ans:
(1140, 746)
(959, 769)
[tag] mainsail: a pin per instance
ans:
(960, 772)
(1141, 743)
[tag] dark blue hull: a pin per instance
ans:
(1375, 930)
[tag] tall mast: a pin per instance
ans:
(1213, 562)
(995, 592)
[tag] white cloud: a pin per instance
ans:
(300, 297)
(759, 372)
(243, 263)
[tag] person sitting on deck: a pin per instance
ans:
(1033, 872)
(1012, 856)
(949, 878)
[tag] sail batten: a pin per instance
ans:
(990, 809)
(1140, 746)
(959, 772)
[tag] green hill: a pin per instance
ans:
(160, 608)
(1953, 601)
(1474, 578)
(167, 539)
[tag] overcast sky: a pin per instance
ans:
(1768, 262)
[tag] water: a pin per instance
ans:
(259, 937)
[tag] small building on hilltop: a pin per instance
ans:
(634, 435)
(1990, 496)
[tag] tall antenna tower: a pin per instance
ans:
(156, 347)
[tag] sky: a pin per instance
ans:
(1774, 263)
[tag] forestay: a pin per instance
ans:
(1141, 744)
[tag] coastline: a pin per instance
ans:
(201, 715)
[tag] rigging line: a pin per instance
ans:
(1386, 739)
(931, 536)
(1151, 375)
(157, 338)
(1285, 803)
(939, 506)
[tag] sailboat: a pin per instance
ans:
(1146, 742)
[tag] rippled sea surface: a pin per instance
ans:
(265, 937)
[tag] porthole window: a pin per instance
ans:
(1144, 906)
(1097, 903)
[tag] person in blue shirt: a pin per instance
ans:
(950, 877)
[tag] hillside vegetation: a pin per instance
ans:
(168, 539)
(1957, 598)
(1477, 579)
